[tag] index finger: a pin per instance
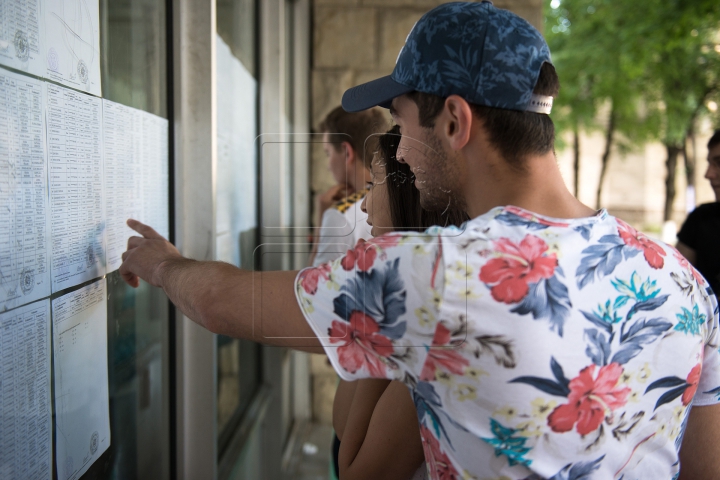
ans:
(144, 230)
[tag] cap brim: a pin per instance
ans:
(379, 92)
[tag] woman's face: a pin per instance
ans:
(376, 203)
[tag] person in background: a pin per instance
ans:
(375, 420)
(699, 237)
(347, 140)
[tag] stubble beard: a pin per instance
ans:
(441, 190)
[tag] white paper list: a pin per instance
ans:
(24, 267)
(72, 43)
(122, 142)
(20, 35)
(82, 418)
(155, 173)
(74, 142)
(136, 175)
(25, 407)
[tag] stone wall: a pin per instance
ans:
(355, 41)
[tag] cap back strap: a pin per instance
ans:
(540, 104)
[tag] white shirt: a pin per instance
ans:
(534, 347)
(343, 225)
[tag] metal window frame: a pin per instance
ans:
(195, 161)
(194, 105)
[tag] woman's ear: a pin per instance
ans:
(456, 121)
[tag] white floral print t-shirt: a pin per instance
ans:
(534, 347)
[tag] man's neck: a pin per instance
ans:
(357, 180)
(539, 189)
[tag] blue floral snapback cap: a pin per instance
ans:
(487, 55)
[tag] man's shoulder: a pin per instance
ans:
(344, 205)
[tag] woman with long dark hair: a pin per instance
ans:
(377, 433)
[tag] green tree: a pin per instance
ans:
(597, 72)
(681, 57)
(653, 64)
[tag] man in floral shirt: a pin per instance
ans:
(542, 340)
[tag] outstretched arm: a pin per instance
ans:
(259, 306)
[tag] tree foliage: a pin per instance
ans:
(637, 71)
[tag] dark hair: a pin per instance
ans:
(354, 128)
(714, 140)
(515, 134)
(403, 198)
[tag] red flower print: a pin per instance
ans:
(386, 241)
(534, 218)
(438, 463)
(363, 255)
(693, 379)
(590, 400)
(362, 345)
(444, 358)
(517, 266)
(684, 263)
(652, 251)
(310, 277)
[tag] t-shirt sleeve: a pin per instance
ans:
(708, 390)
(688, 233)
(374, 310)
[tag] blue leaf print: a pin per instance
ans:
(558, 388)
(669, 396)
(427, 403)
(548, 298)
(626, 354)
(678, 386)
(598, 320)
(689, 322)
(601, 259)
(513, 220)
(548, 386)
(604, 317)
(714, 391)
(379, 294)
(584, 230)
(647, 305)
(508, 445)
(665, 382)
(642, 332)
(578, 471)
(559, 374)
(598, 349)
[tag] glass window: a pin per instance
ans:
(134, 73)
(238, 361)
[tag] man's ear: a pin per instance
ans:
(349, 151)
(456, 121)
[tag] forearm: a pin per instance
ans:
(239, 303)
(199, 290)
